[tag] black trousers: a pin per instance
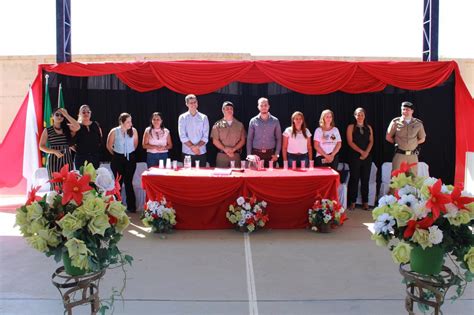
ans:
(126, 168)
(359, 170)
(93, 158)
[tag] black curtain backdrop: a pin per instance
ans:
(107, 97)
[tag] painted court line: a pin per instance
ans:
(252, 294)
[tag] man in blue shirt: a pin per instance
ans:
(193, 129)
(264, 135)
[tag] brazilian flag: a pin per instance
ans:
(47, 118)
(60, 97)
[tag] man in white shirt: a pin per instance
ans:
(193, 130)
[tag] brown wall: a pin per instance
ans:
(17, 72)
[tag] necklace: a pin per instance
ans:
(58, 129)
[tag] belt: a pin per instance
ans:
(238, 151)
(264, 150)
(297, 153)
(407, 152)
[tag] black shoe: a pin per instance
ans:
(132, 210)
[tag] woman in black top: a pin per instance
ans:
(360, 138)
(88, 139)
(56, 141)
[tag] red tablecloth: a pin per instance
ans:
(202, 199)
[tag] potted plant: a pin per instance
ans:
(423, 222)
(325, 214)
(247, 214)
(159, 215)
(80, 223)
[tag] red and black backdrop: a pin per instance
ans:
(441, 98)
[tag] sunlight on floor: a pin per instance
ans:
(370, 227)
(7, 220)
(12, 201)
(137, 233)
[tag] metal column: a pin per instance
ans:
(430, 30)
(63, 31)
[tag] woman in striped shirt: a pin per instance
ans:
(56, 141)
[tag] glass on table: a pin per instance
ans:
(197, 164)
(168, 163)
(187, 162)
(232, 164)
(311, 165)
(285, 165)
(175, 165)
(261, 165)
(293, 165)
(161, 164)
(243, 163)
(270, 165)
(303, 164)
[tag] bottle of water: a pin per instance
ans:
(187, 162)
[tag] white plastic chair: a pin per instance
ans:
(41, 178)
(107, 166)
(372, 187)
(385, 178)
(423, 169)
(140, 194)
(342, 189)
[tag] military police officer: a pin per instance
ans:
(228, 135)
(406, 132)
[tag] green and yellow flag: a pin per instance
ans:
(60, 97)
(47, 119)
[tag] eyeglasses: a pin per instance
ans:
(58, 115)
(86, 111)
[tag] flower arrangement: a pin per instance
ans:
(325, 213)
(424, 214)
(248, 214)
(81, 222)
(159, 215)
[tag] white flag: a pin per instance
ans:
(30, 149)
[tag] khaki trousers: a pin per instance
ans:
(398, 158)
(223, 160)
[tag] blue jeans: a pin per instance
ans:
(153, 159)
(298, 158)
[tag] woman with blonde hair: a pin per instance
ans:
(88, 139)
(297, 141)
(327, 141)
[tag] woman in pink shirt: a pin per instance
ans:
(156, 140)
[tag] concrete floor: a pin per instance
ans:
(226, 272)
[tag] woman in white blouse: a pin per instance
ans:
(297, 141)
(327, 141)
(156, 140)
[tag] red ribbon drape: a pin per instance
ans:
(303, 76)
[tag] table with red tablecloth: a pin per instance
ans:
(202, 198)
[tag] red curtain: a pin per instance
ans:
(303, 76)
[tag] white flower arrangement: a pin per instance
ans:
(247, 214)
(159, 215)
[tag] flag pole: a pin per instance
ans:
(59, 95)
